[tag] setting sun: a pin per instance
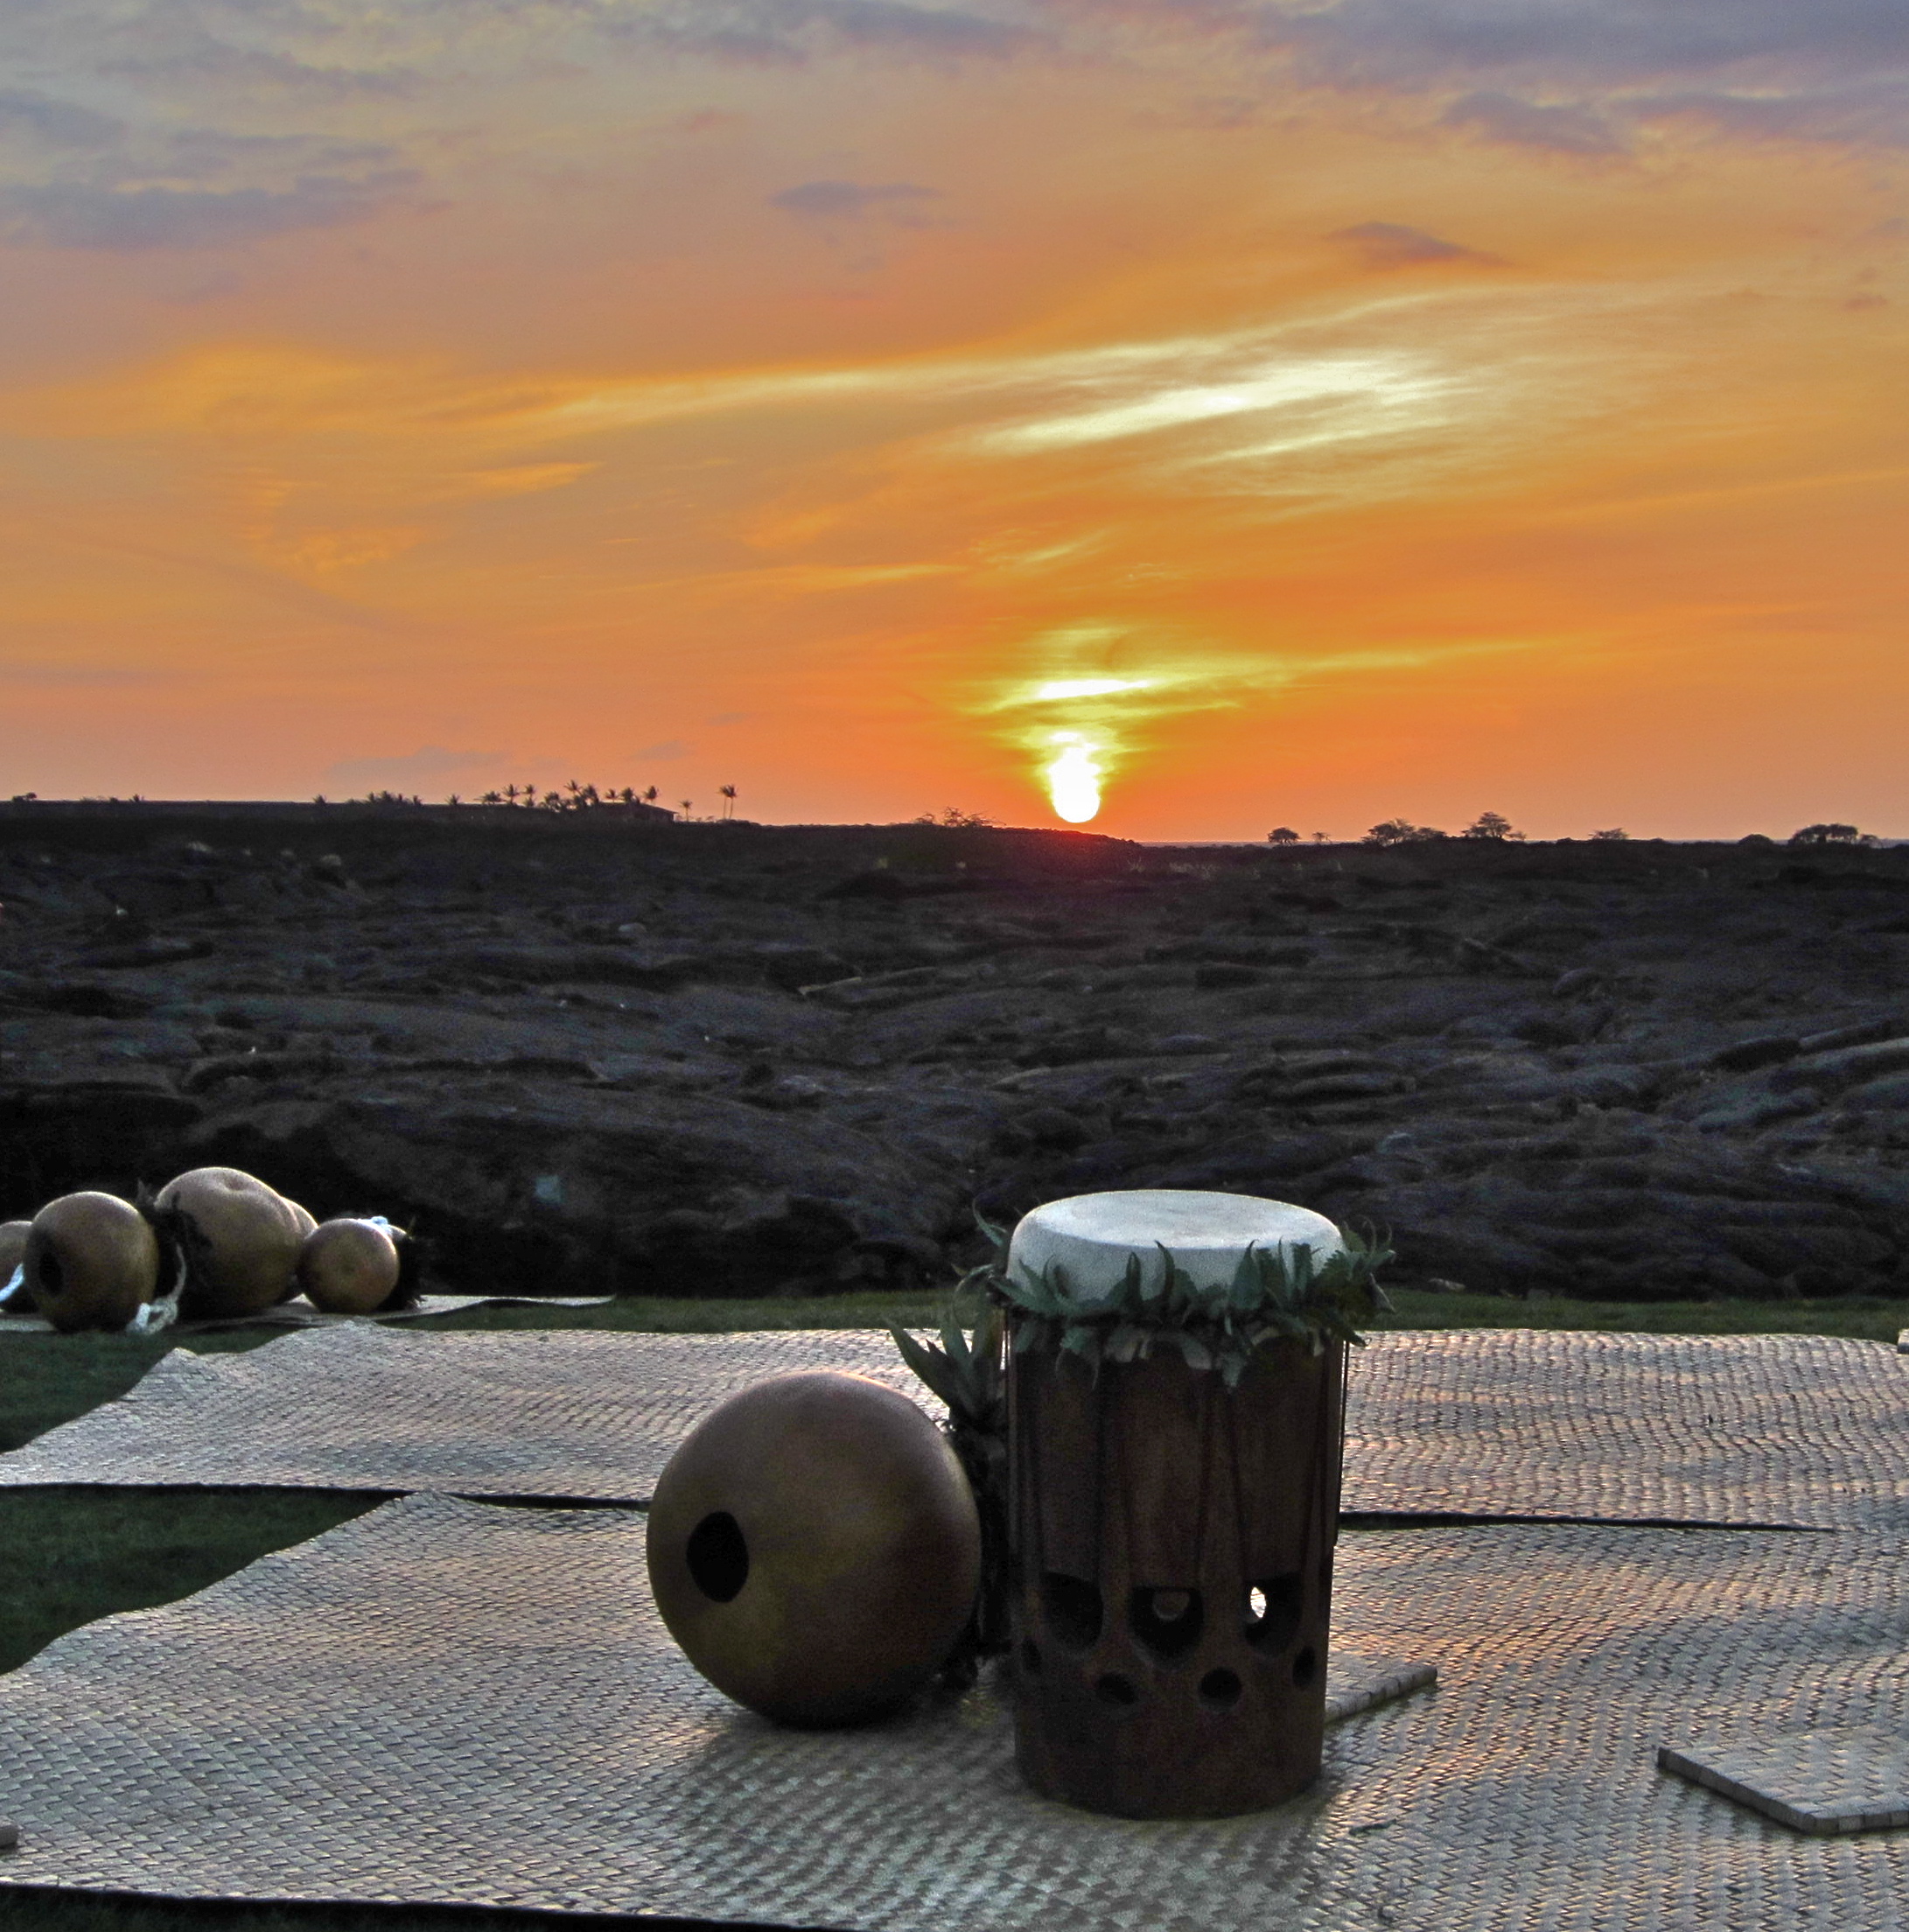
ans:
(1074, 779)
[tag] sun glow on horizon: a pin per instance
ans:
(1073, 777)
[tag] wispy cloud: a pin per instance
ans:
(74, 214)
(1368, 396)
(1873, 116)
(1359, 387)
(788, 32)
(1118, 389)
(222, 123)
(1419, 40)
(1564, 128)
(189, 57)
(1569, 76)
(155, 180)
(59, 123)
(1394, 245)
(846, 200)
(317, 51)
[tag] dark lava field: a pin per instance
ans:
(582, 1055)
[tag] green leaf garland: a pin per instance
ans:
(1284, 1294)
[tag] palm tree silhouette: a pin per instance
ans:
(729, 799)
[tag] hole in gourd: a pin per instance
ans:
(52, 1277)
(1221, 1689)
(1031, 1657)
(1273, 1609)
(1167, 1622)
(1305, 1667)
(1073, 1607)
(717, 1554)
(1115, 1689)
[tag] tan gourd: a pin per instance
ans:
(92, 1260)
(242, 1241)
(349, 1267)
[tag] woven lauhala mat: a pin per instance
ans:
(564, 1413)
(1805, 1431)
(451, 1702)
(1746, 1429)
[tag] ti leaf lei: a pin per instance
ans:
(1281, 1294)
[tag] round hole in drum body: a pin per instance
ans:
(1115, 1689)
(718, 1556)
(1274, 1607)
(1072, 1606)
(1221, 1689)
(1167, 1622)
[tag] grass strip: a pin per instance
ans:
(74, 1555)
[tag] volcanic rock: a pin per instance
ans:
(736, 1060)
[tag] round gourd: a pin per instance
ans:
(349, 1267)
(813, 1548)
(92, 1261)
(305, 1219)
(242, 1241)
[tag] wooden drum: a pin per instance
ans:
(1172, 1538)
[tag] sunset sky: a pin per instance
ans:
(1271, 414)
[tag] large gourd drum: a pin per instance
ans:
(813, 1548)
